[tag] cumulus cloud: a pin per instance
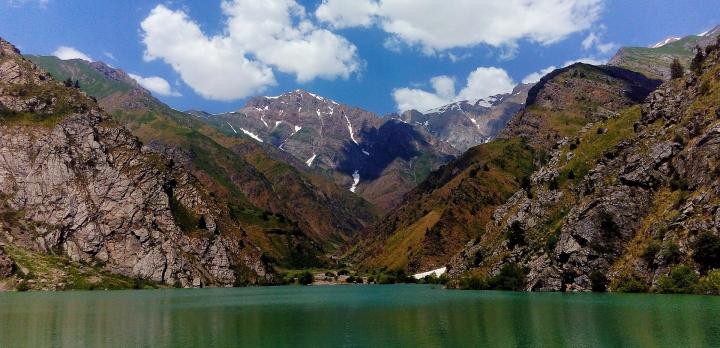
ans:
(440, 25)
(536, 76)
(347, 13)
(259, 36)
(481, 83)
(66, 53)
(156, 84)
(595, 41)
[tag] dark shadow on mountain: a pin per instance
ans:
(393, 140)
(640, 85)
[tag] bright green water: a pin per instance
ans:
(354, 316)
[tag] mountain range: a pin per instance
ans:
(594, 178)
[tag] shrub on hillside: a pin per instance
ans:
(650, 251)
(696, 63)
(630, 283)
(305, 278)
(681, 280)
(676, 70)
(706, 251)
(598, 281)
(710, 284)
(511, 277)
(473, 282)
(515, 235)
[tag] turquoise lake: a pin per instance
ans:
(355, 316)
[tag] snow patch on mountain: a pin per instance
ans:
(231, 127)
(250, 134)
(437, 272)
(350, 129)
(666, 42)
(310, 161)
(356, 181)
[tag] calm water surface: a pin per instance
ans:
(354, 316)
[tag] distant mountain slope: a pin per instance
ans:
(379, 159)
(455, 204)
(76, 184)
(288, 212)
(655, 61)
(469, 123)
(567, 99)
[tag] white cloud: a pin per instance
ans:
(66, 53)
(594, 41)
(109, 55)
(18, 3)
(347, 13)
(536, 76)
(481, 83)
(437, 25)
(156, 84)
(486, 82)
(457, 58)
(212, 66)
(259, 36)
(417, 99)
(444, 86)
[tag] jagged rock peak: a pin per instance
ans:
(297, 96)
(8, 49)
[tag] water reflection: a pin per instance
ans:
(352, 316)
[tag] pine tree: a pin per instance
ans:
(77, 84)
(676, 69)
(68, 82)
(696, 64)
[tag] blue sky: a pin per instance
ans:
(383, 56)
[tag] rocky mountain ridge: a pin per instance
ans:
(466, 124)
(379, 159)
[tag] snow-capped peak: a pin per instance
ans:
(454, 106)
(665, 42)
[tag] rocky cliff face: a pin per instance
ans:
(469, 123)
(74, 183)
(621, 203)
(349, 145)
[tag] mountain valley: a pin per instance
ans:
(594, 178)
